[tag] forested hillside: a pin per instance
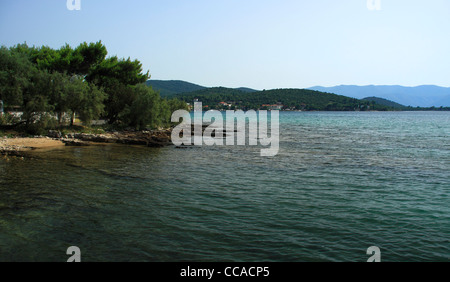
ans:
(168, 88)
(293, 99)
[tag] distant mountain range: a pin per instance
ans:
(420, 96)
(392, 96)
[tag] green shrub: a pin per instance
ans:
(42, 125)
(8, 119)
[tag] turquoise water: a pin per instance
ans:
(342, 182)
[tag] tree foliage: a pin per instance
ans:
(55, 85)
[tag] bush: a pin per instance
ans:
(8, 119)
(42, 125)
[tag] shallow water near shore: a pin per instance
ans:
(342, 182)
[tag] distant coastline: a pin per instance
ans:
(341, 98)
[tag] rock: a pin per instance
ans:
(11, 150)
(54, 134)
(146, 138)
(77, 143)
(98, 138)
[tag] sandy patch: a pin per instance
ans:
(24, 144)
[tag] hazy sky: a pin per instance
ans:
(261, 44)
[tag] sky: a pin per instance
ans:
(261, 44)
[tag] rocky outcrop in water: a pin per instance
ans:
(74, 142)
(11, 150)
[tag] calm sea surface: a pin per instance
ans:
(342, 182)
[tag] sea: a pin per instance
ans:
(342, 182)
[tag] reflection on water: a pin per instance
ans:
(342, 182)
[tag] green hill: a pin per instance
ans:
(171, 87)
(295, 99)
(385, 102)
(245, 89)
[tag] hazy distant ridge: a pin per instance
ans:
(419, 96)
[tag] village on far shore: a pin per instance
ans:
(230, 105)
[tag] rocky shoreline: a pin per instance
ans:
(19, 146)
(155, 139)
(152, 138)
